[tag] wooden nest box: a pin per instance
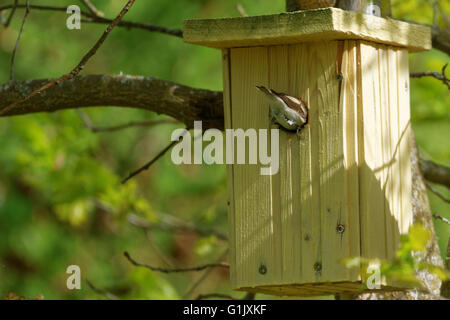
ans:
(343, 188)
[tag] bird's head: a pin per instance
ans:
(264, 90)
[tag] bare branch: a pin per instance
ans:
(437, 193)
(171, 223)
(88, 123)
(183, 103)
(436, 216)
(241, 10)
(176, 270)
(215, 295)
(13, 57)
(166, 149)
(443, 14)
(102, 292)
(435, 9)
(434, 172)
(134, 124)
(203, 277)
(249, 296)
(80, 65)
(93, 9)
(8, 21)
(138, 25)
(92, 18)
(156, 158)
(38, 7)
(439, 76)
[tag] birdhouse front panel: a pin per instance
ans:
(343, 188)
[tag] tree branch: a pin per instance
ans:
(440, 39)
(102, 292)
(436, 216)
(75, 71)
(92, 18)
(13, 57)
(88, 123)
(171, 223)
(215, 295)
(202, 277)
(6, 24)
(156, 158)
(437, 193)
(93, 9)
(138, 25)
(439, 76)
(176, 270)
(248, 296)
(240, 8)
(292, 5)
(434, 172)
(183, 103)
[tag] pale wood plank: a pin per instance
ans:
(349, 112)
(314, 217)
(226, 70)
(309, 249)
(284, 233)
(329, 158)
(312, 25)
(386, 167)
(373, 234)
(254, 221)
(396, 177)
(405, 140)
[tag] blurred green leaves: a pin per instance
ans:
(61, 202)
(403, 269)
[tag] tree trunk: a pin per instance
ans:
(292, 5)
(366, 6)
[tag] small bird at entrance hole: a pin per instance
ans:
(289, 112)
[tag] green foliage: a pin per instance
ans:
(403, 269)
(61, 202)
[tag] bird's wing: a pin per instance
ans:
(296, 104)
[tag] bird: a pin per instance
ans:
(289, 112)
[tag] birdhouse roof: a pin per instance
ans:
(302, 26)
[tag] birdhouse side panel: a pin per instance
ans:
(403, 146)
(385, 168)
